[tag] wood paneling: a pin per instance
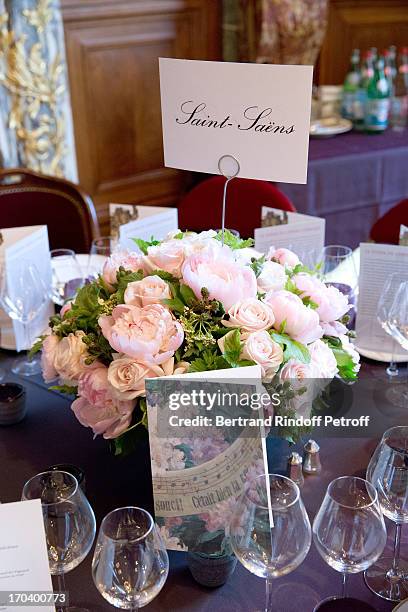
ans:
(360, 24)
(112, 51)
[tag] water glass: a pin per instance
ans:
(130, 564)
(67, 275)
(101, 249)
(338, 269)
(266, 548)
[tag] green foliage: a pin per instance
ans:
(37, 346)
(98, 348)
(86, 309)
(233, 241)
(290, 286)
(257, 265)
(128, 442)
(292, 349)
(65, 389)
(209, 360)
(124, 277)
(144, 244)
(344, 360)
(233, 349)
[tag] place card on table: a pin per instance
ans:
(303, 234)
(19, 246)
(148, 222)
(403, 236)
(377, 263)
(258, 113)
(199, 471)
(23, 552)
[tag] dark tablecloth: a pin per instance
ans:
(352, 180)
(51, 434)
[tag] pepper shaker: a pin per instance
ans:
(311, 460)
(295, 469)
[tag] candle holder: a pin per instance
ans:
(12, 403)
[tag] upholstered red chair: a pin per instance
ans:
(201, 208)
(386, 230)
(28, 198)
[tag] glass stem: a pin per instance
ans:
(27, 338)
(397, 546)
(392, 369)
(61, 589)
(268, 604)
(344, 588)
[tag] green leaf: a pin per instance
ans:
(144, 244)
(233, 348)
(166, 276)
(257, 265)
(233, 241)
(37, 346)
(187, 294)
(65, 389)
(208, 361)
(292, 348)
(345, 364)
(124, 277)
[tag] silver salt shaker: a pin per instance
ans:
(311, 458)
(295, 469)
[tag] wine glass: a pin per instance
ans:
(270, 551)
(388, 471)
(393, 306)
(101, 248)
(130, 564)
(67, 275)
(23, 303)
(349, 530)
(69, 521)
(338, 269)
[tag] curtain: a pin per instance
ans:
(274, 31)
(36, 129)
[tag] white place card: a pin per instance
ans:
(23, 246)
(403, 236)
(151, 221)
(303, 234)
(259, 113)
(377, 263)
(23, 552)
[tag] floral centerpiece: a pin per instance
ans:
(191, 303)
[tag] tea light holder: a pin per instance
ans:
(12, 403)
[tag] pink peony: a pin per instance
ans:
(226, 280)
(98, 408)
(272, 277)
(250, 315)
(323, 360)
(70, 355)
(301, 322)
(150, 290)
(49, 349)
(149, 334)
(284, 257)
(295, 370)
(332, 304)
(260, 347)
(168, 256)
(125, 259)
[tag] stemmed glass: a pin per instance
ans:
(101, 248)
(338, 269)
(67, 275)
(387, 297)
(270, 552)
(388, 471)
(349, 530)
(23, 304)
(130, 564)
(69, 521)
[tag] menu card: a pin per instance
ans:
(199, 471)
(303, 234)
(20, 246)
(148, 222)
(23, 553)
(377, 263)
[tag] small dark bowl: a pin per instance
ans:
(12, 403)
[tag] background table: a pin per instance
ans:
(352, 180)
(51, 434)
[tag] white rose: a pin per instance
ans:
(70, 355)
(323, 359)
(250, 315)
(127, 376)
(260, 347)
(272, 277)
(168, 256)
(150, 290)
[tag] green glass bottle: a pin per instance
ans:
(360, 100)
(378, 100)
(350, 85)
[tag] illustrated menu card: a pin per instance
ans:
(303, 234)
(259, 113)
(403, 237)
(20, 247)
(146, 222)
(201, 462)
(23, 554)
(377, 263)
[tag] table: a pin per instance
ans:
(51, 434)
(352, 180)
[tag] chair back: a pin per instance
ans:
(201, 208)
(386, 229)
(28, 198)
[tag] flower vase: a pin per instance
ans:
(211, 570)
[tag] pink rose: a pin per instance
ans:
(284, 257)
(250, 315)
(260, 347)
(127, 376)
(149, 334)
(168, 256)
(323, 359)
(332, 304)
(49, 349)
(150, 290)
(98, 408)
(334, 328)
(226, 280)
(66, 308)
(128, 260)
(272, 277)
(70, 355)
(301, 322)
(295, 370)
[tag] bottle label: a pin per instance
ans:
(347, 104)
(377, 113)
(359, 105)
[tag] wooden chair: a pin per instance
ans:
(28, 198)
